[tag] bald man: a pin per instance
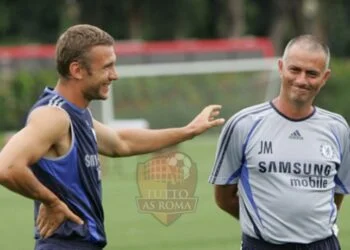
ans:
(282, 167)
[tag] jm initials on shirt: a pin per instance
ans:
(265, 147)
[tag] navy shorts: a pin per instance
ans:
(57, 244)
(250, 243)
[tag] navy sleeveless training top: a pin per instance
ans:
(75, 176)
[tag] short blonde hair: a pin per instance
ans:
(75, 43)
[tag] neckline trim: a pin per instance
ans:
(293, 119)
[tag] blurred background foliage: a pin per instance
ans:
(40, 22)
(171, 101)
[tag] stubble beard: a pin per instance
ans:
(94, 94)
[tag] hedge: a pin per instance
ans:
(170, 101)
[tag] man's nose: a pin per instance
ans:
(114, 74)
(301, 78)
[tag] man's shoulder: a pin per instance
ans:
(252, 111)
(49, 115)
(49, 111)
(333, 117)
(49, 99)
(247, 117)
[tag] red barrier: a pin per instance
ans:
(262, 45)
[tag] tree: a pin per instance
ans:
(286, 22)
(237, 18)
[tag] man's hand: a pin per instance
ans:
(206, 119)
(51, 216)
(335, 229)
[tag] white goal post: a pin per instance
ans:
(161, 58)
(189, 68)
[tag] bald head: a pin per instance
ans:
(309, 43)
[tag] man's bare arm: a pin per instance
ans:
(226, 198)
(45, 127)
(338, 200)
(127, 142)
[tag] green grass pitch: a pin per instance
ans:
(207, 228)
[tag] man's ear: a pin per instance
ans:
(326, 76)
(76, 70)
(280, 67)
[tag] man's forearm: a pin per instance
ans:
(231, 207)
(22, 181)
(338, 200)
(145, 140)
(227, 199)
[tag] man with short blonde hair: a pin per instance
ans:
(54, 159)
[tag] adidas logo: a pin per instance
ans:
(296, 135)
